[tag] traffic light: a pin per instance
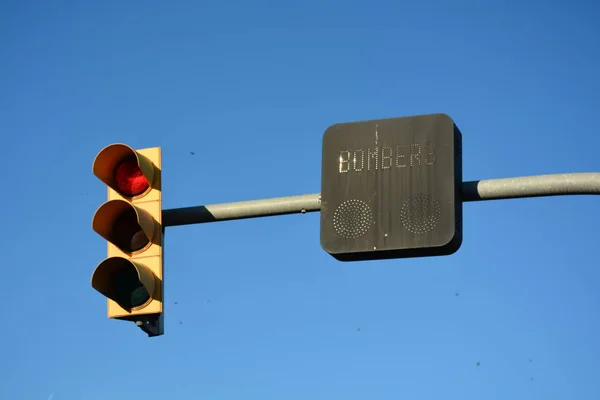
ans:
(131, 278)
(390, 188)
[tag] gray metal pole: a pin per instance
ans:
(242, 209)
(491, 189)
(532, 186)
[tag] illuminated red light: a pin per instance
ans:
(129, 178)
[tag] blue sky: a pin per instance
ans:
(262, 311)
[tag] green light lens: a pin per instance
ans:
(129, 291)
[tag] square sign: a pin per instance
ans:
(390, 188)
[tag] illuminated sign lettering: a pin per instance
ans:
(386, 157)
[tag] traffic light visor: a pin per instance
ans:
(129, 284)
(124, 170)
(128, 227)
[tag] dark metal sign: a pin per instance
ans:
(390, 188)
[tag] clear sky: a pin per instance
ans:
(255, 309)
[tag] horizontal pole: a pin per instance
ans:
(490, 189)
(242, 209)
(532, 186)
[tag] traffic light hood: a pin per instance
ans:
(109, 158)
(131, 285)
(128, 227)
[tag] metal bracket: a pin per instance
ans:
(152, 325)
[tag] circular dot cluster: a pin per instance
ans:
(420, 214)
(352, 219)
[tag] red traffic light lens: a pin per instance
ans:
(129, 178)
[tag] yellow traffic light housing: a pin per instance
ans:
(131, 278)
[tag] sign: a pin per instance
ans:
(390, 188)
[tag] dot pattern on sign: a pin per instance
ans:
(420, 214)
(352, 219)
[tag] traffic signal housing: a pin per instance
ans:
(131, 277)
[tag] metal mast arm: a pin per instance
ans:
(532, 186)
(490, 189)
